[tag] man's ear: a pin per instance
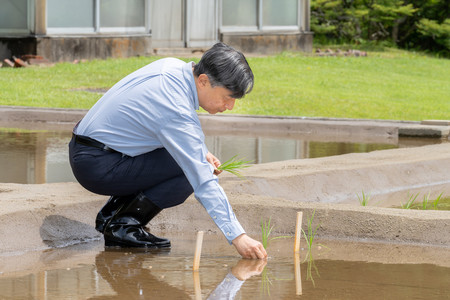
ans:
(203, 80)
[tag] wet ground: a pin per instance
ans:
(408, 257)
(334, 270)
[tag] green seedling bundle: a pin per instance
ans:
(233, 165)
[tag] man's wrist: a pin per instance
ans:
(237, 239)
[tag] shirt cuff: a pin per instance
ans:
(232, 230)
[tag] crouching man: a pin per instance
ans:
(142, 144)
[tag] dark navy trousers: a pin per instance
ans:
(156, 174)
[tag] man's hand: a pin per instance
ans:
(214, 161)
(249, 248)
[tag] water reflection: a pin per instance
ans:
(34, 157)
(42, 156)
(131, 277)
(147, 275)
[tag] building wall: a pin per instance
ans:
(269, 43)
(65, 48)
(171, 24)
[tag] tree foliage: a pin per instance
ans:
(418, 24)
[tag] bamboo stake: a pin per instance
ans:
(197, 286)
(198, 251)
(297, 275)
(298, 231)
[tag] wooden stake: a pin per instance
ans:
(198, 251)
(298, 231)
(197, 286)
(297, 275)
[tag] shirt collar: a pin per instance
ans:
(189, 75)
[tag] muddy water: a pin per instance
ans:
(41, 156)
(335, 270)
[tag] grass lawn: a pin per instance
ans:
(392, 84)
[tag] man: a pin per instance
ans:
(142, 142)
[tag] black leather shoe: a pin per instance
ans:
(108, 210)
(126, 227)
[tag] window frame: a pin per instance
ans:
(260, 28)
(30, 23)
(97, 29)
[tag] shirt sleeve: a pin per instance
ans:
(184, 140)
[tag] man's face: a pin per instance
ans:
(213, 99)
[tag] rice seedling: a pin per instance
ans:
(425, 201)
(266, 230)
(233, 165)
(436, 201)
(364, 199)
(311, 265)
(266, 282)
(309, 237)
(439, 203)
(410, 202)
(267, 278)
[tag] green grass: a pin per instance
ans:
(389, 84)
(381, 86)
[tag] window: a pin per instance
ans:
(93, 16)
(122, 13)
(78, 15)
(260, 15)
(240, 13)
(280, 13)
(14, 16)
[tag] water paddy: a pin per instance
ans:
(343, 270)
(42, 156)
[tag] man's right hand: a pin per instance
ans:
(249, 248)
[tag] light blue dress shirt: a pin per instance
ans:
(155, 107)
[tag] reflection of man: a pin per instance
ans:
(143, 144)
(232, 283)
(129, 280)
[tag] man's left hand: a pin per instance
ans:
(214, 161)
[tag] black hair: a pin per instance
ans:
(228, 68)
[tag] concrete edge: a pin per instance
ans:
(62, 119)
